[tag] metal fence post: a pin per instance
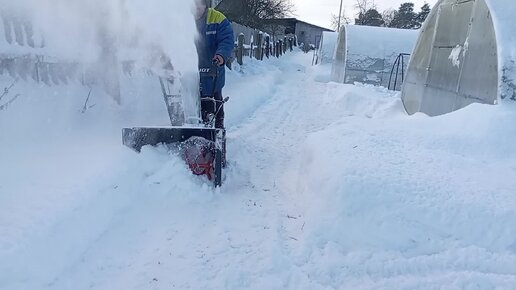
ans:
(259, 46)
(240, 49)
(267, 46)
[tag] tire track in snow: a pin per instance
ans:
(241, 230)
(276, 135)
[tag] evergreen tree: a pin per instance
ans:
(405, 17)
(421, 17)
(370, 18)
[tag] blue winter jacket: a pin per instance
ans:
(215, 37)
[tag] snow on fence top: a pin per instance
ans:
(17, 35)
(367, 54)
(249, 33)
(466, 54)
(327, 47)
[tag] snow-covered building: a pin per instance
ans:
(466, 54)
(307, 34)
(327, 47)
(367, 54)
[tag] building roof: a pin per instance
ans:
(295, 20)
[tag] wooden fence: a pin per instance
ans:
(23, 56)
(260, 45)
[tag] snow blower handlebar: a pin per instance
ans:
(213, 72)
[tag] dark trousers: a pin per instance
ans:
(210, 107)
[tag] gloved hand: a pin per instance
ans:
(219, 60)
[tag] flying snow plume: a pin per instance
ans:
(142, 32)
(79, 29)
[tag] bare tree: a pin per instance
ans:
(335, 20)
(5, 93)
(364, 5)
(255, 13)
(388, 16)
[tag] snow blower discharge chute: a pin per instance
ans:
(200, 145)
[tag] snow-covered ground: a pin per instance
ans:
(330, 186)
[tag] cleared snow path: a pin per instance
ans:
(329, 187)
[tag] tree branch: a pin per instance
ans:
(6, 105)
(5, 93)
(7, 89)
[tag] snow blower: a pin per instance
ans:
(200, 145)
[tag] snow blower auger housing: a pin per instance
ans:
(211, 165)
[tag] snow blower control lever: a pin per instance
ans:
(217, 105)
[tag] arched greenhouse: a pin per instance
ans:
(465, 54)
(367, 54)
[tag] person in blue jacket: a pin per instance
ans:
(215, 44)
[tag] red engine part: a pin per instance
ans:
(199, 155)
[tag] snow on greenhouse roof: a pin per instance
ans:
(379, 41)
(367, 54)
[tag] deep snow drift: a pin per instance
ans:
(330, 186)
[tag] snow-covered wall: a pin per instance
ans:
(465, 54)
(367, 54)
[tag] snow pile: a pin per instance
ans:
(329, 186)
(411, 203)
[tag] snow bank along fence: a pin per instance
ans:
(466, 53)
(368, 55)
(258, 44)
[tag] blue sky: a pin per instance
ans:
(319, 11)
